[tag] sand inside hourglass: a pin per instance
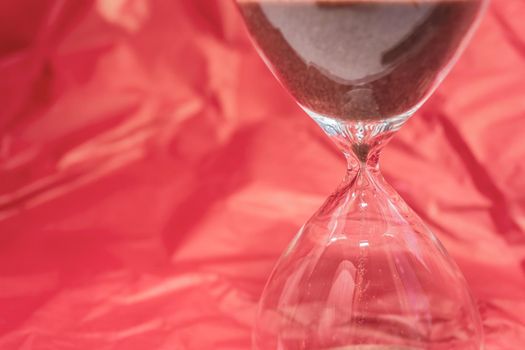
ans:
(359, 59)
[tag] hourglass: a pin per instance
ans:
(364, 272)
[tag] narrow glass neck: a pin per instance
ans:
(361, 141)
(363, 196)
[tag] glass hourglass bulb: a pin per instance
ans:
(364, 273)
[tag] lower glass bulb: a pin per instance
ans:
(364, 273)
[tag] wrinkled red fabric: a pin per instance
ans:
(152, 171)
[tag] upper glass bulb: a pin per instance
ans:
(360, 59)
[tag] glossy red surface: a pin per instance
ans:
(152, 171)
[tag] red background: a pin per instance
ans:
(152, 171)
